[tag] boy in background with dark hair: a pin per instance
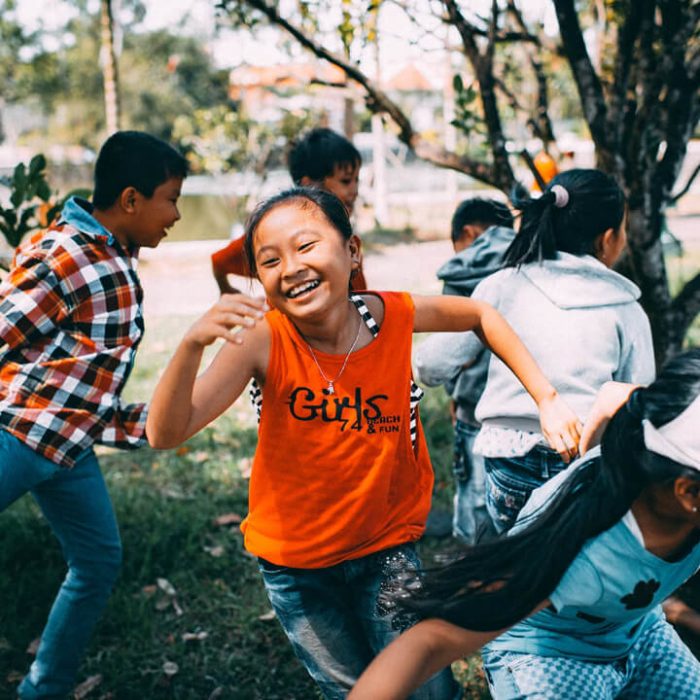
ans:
(70, 324)
(323, 159)
(481, 231)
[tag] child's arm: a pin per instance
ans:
(560, 426)
(416, 656)
(184, 403)
(610, 398)
(419, 654)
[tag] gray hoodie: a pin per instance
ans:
(580, 320)
(461, 274)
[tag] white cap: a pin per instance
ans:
(678, 440)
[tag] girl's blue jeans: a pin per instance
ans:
(511, 480)
(470, 513)
(340, 617)
(79, 511)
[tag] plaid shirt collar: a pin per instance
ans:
(77, 212)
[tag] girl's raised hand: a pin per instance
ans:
(609, 399)
(231, 314)
(560, 426)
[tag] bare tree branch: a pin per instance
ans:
(684, 310)
(380, 102)
(687, 185)
(587, 80)
(483, 69)
(542, 123)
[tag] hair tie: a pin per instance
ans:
(561, 196)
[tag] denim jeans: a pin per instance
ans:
(659, 667)
(339, 617)
(78, 509)
(511, 480)
(470, 514)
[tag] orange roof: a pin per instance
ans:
(288, 75)
(410, 79)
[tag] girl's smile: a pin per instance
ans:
(302, 260)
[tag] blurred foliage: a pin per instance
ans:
(161, 75)
(220, 139)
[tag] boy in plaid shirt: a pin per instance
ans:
(70, 324)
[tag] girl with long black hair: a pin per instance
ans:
(579, 318)
(569, 601)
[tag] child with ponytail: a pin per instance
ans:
(569, 601)
(580, 319)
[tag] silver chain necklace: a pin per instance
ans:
(330, 389)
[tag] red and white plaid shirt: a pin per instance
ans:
(70, 324)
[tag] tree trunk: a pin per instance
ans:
(109, 68)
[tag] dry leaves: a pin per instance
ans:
(228, 519)
(194, 636)
(33, 646)
(87, 686)
(170, 668)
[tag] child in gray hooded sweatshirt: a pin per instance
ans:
(580, 320)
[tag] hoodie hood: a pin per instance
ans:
(579, 282)
(482, 258)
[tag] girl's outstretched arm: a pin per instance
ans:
(184, 403)
(560, 425)
(416, 656)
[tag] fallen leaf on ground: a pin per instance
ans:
(269, 615)
(194, 636)
(217, 551)
(200, 456)
(166, 586)
(178, 610)
(33, 646)
(148, 591)
(228, 519)
(180, 451)
(14, 677)
(216, 693)
(87, 686)
(170, 668)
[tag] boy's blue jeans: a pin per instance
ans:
(470, 513)
(511, 480)
(340, 617)
(77, 506)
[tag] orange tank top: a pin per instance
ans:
(336, 477)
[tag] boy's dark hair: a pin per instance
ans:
(484, 212)
(134, 159)
(595, 203)
(317, 154)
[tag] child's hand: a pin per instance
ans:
(560, 426)
(610, 397)
(225, 319)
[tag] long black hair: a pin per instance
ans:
(311, 198)
(595, 204)
(496, 584)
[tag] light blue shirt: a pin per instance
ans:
(609, 596)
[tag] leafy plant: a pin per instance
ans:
(30, 204)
